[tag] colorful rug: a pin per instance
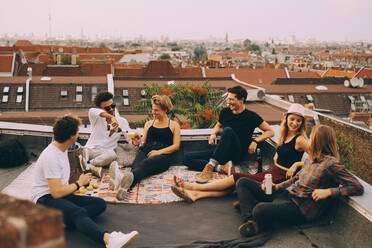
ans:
(153, 190)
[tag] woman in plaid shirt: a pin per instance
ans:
(304, 197)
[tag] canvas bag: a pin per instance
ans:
(126, 153)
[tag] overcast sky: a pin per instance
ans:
(328, 20)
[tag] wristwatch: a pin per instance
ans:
(77, 185)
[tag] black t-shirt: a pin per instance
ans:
(243, 124)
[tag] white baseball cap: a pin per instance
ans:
(297, 109)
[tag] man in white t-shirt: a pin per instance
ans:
(51, 187)
(107, 126)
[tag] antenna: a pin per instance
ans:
(50, 22)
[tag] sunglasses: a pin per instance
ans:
(108, 108)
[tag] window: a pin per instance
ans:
(94, 92)
(309, 98)
(291, 98)
(79, 97)
(63, 94)
(125, 93)
(19, 94)
(6, 90)
(5, 98)
(125, 101)
(79, 93)
(351, 98)
(19, 98)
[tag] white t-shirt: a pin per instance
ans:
(51, 164)
(99, 138)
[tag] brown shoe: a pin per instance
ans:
(248, 228)
(206, 175)
(236, 205)
(227, 168)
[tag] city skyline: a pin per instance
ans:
(327, 20)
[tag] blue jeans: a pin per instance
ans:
(228, 148)
(78, 211)
(256, 205)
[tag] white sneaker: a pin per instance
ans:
(115, 176)
(125, 183)
(119, 239)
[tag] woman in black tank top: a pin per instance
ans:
(160, 142)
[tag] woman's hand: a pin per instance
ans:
(84, 179)
(321, 194)
(212, 139)
(153, 153)
(291, 171)
(136, 140)
(263, 185)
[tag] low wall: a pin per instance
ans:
(361, 141)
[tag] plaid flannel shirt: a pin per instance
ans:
(328, 173)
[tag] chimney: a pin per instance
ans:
(28, 81)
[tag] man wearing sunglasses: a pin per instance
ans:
(107, 126)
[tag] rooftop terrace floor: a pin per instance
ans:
(180, 224)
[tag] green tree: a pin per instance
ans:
(200, 53)
(164, 56)
(172, 44)
(65, 59)
(253, 47)
(273, 51)
(135, 45)
(197, 103)
(176, 48)
(247, 42)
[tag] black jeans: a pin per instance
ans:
(256, 205)
(78, 211)
(228, 148)
(144, 167)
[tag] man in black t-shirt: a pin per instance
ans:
(236, 125)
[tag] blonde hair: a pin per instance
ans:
(284, 128)
(163, 102)
(323, 142)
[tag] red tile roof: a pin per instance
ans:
(22, 43)
(56, 80)
(6, 62)
(365, 73)
(338, 73)
(309, 74)
(159, 68)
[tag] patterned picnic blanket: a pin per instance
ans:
(153, 190)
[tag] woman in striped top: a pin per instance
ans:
(304, 197)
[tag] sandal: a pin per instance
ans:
(248, 228)
(179, 182)
(180, 192)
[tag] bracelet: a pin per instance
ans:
(77, 185)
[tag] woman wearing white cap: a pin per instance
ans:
(292, 144)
